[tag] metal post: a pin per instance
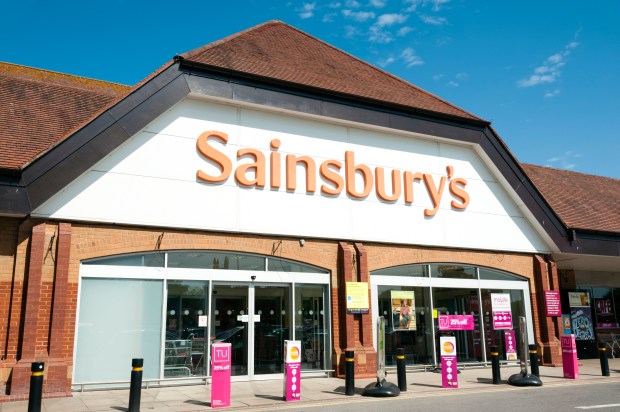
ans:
(602, 354)
(135, 387)
(36, 387)
(401, 370)
(349, 372)
(497, 378)
(534, 360)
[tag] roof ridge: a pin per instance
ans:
(571, 171)
(39, 75)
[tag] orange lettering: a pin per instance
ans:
(459, 192)
(291, 172)
(258, 165)
(434, 193)
(202, 145)
(275, 165)
(379, 176)
(350, 170)
(332, 177)
(409, 178)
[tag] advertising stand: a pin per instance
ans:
(449, 370)
(220, 375)
(569, 357)
(292, 370)
(523, 378)
(382, 388)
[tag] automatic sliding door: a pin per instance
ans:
(271, 327)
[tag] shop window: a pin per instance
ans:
(118, 320)
(498, 337)
(153, 260)
(215, 260)
(491, 274)
(408, 319)
(452, 271)
(416, 271)
(283, 265)
(311, 326)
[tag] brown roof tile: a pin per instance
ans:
(582, 201)
(275, 50)
(38, 107)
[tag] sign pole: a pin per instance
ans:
(523, 378)
(382, 388)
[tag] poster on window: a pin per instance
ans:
(403, 309)
(581, 315)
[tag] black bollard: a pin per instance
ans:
(36, 387)
(497, 377)
(349, 372)
(135, 387)
(534, 361)
(602, 354)
(401, 370)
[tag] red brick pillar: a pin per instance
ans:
(60, 355)
(548, 339)
(20, 378)
(354, 331)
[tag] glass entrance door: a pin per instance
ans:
(255, 319)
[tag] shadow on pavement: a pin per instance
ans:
(197, 402)
(271, 397)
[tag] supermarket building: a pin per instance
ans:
(269, 187)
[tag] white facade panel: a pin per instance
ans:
(151, 180)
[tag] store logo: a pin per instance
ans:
(294, 353)
(448, 347)
(336, 176)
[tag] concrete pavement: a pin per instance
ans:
(267, 395)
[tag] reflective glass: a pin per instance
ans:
(215, 260)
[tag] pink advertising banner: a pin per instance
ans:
(569, 357)
(456, 322)
(502, 320)
(552, 300)
(292, 370)
(511, 345)
(220, 375)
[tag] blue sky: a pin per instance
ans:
(545, 73)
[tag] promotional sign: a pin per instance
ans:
(566, 324)
(552, 301)
(581, 315)
(403, 309)
(357, 297)
(456, 322)
(292, 370)
(449, 371)
(501, 311)
(569, 357)
(220, 375)
(511, 345)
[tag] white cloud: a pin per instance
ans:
(564, 161)
(452, 83)
(378, 35)
(390, 19)
(410, 58)
(432, 20)
(354, 4)
(552, 93)
(437, 77)
(334, 5)
(437, 4)
(360, 16)
(378, 3)
(404, 30)
(350, 31)
(551, 69)
(307, 10)
(386, 62)
(462, 76)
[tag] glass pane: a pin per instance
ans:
(119, 319)
(490, 274)
(447, 270)
(497, 337)
(283, 265)
(405, 270)
(272, 304)
(410, 329)
(310, 324)
(153, 260)
(185, 350)
(230, 320)
(457, 301)
(215, 260)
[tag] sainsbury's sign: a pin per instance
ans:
(335, 175)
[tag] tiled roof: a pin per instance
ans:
(39, 107)
(277, 51)
(585, 202)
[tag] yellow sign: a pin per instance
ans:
(357, 297)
